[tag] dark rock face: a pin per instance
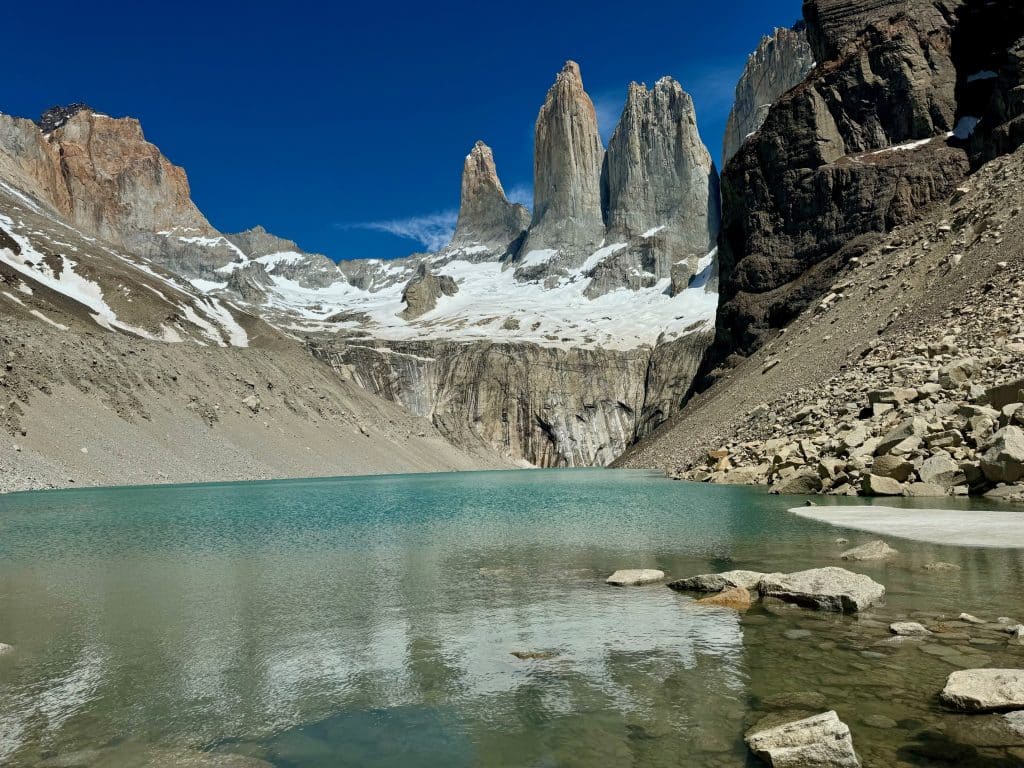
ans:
(814, 185)
(56, 116)
(486, 217)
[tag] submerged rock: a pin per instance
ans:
(822, 741)
(633, 577)
(824, 589)
(873, 550)
(737, 597)
(985, 690)
(908, 628)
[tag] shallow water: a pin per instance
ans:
(373, 622)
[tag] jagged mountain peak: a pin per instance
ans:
(58, 115)
(486, 216)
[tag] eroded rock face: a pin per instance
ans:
(568, 157)
(423, 291)
(781, 61)
(486, 217)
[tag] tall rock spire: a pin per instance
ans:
(659, 173)
(568, 157)
(486, 217)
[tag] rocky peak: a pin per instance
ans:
(56, 116)
(257, 242)
(486, 217)
(659, 173)
(781, 61)
(568, 157)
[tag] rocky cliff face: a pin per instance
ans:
(781, 61)
(486, 217)
(568, 157)
(884, 126)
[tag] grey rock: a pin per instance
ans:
(873, 550)
(1003, 457)
(780, 62)
(716, 582)
(913, 427)
(802, 483)
(821, 741)
(424, 289)
(984, 690)
(895, 467)
(876, 485)
(940, 469)
(632, 577)
(909, 629)
(829, 589)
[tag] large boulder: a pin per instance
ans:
(877, 485)
(940, 469)
(825, 589)
(895, 467)
(1003, 459)
(985, 690)
(801, 484)
(821, 741)
(913, 427)
(716, 582)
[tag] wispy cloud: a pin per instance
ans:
(522, 194)
(433, 230)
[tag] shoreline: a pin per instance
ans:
(950, 527)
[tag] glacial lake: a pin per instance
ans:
(374, 622)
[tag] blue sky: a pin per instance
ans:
(338, 125)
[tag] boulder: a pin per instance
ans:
(633, 577)
(736, 597)
(985, 690)
(909, 629)
(825, 589)
(1003, 395)
(1007, 493)
(873, 550)
(821, 741)
(913, 427)
(1003, 457)
(896, 467)
(876, 485)
(925, 490)
(802, 483)
(716, 582)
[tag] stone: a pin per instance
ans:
(802, 483)
(876, 485)
(1003, 457)
(535, 655)
(827, 589)
(737, 598)
(941, 566)
(873, 550)
(1002, 395)
(913, 427)
(5, 648)
(970, 619)
(632, 577)
(486, 217)
(716, 582)
(925, 490)
(896, 467)
(821, 741)
(252, 402)
(909, 629)
(940, 469)
(984, 690)
(423, 290)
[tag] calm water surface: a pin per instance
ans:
(374, 621)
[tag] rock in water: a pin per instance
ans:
(873, 550)
(486, 217)
(423, 291)
(825, 589)
(822, 741)
(737, 598)
(716, 582)
(908, 629)
(568, 156)
(985, 690)
(634, 577)
(780, 62)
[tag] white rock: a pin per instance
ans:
(826, 589)
(632, 577)
(908, 628)
(822, 741)
(985, 690)
(873, 550)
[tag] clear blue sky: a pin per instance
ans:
(329, 122)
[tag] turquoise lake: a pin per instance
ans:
(375, 621)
